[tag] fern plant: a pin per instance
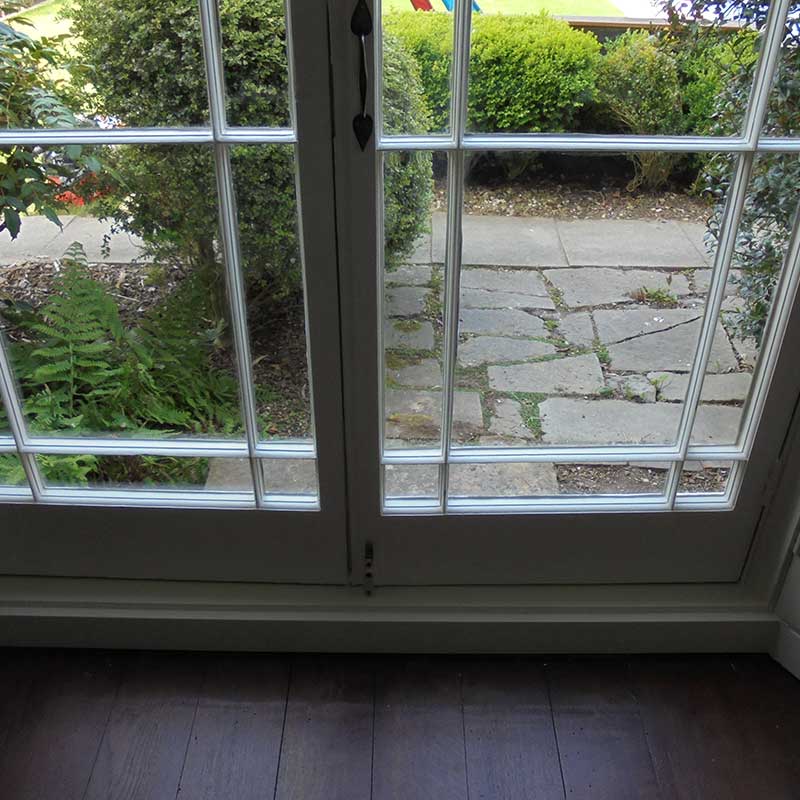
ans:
(73, 367)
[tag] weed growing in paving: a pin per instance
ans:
(602, 353)
(529, 411)
(662, 298)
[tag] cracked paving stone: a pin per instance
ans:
(416, 337)
(617, 325)
(484, 298)
(508, 322)
(588, 422)
(405, 301)
(425, 375)
(507, 420)
(571, 375)
(633, 387)
(732, 387)
(518, 281)
(598, 286)
(577, 328)
(503, 480)
(671, 350)
(414, 415)
(498, 349)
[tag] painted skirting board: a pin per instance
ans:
(787, 649)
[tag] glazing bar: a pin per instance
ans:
(16, 421)
(716, 293)
(229, 230)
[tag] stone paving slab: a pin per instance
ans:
(616, 325)
(508, 322)
(422, 252)
(571, 375)
(497, 349)
(417, 338)
(633, 387)
(281, 476)
(747, 350)
(672, 350)
(409, 275)
(507, 420)
(405, 301)
(628, 243)
(520, 281)
(472, 480)
(599, 286)
(425, 375)
(695, 232)
(482, 298)
(503, 480)
(577, 328)
(506, 241)
(568, 421)
(727, 388)
(412, 415)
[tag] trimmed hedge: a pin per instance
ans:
(528, 73)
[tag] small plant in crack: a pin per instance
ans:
(529, 411)
(408, 325)
(601, 351)
(660, 298)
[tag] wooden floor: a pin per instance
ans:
(108, 725)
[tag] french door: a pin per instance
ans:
(528, 405)
(481, 397)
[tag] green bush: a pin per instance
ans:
(149, 71)
(638, 86)
(771, 203)
(528, 73)
(32, 96)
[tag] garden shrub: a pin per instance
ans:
(149, 70)
(528, 73)
(34, 94)
(638, 85)
(771, 202)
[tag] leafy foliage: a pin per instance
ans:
(638, 86)
(771, 202)
(149, 71)
(527, 72)
(32, 97)
(81, 370)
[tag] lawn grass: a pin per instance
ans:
(44, 19)
(575, 8)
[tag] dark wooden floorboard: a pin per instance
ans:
(510, 740)
(236, 738)
(419, 730)
(129, 726)
(601, 739)
(327, 739)
(18, 670)
(718, 726)
(144, 745)
(54, 746)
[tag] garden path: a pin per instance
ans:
(571, 332)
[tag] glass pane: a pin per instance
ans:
(11, 471)
(761, 244)
(255, 62)
(290, 476)
(782, 117)
(117, 321)
(118, 64)
(555, 480)
(581, 302)
(704, 477)
(417, 69)
(411, 482)
(414, 272)
(145, 473)
(531, 73)
(269, 236)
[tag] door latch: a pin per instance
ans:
(369, 569)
